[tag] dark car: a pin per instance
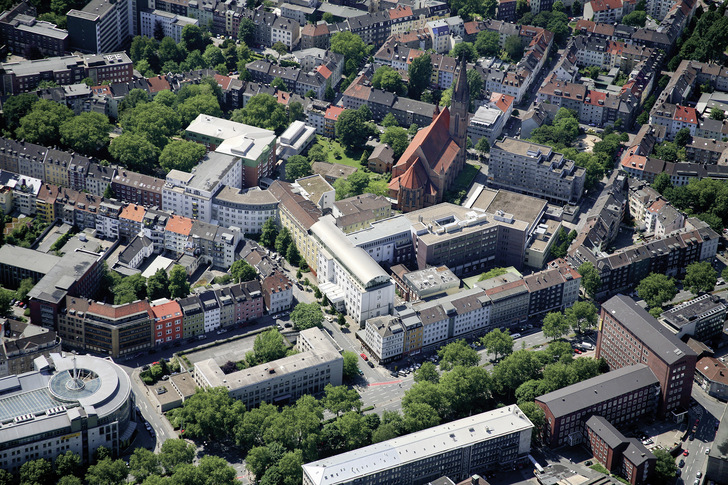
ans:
(681, 464)
(371, 364)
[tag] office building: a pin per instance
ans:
(488, 441)
(113, 330)
(536, 170)
(701, 318)
(172, 24)
(18, 263)
(102, 26)
(28, 37)
(629, 335)
(247, 209)
(387, 241)
(621, 396)
(281, 381)
(626, 457)
(349, 277)
(74, 403)
(360, 211)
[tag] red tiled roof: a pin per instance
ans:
(165, 309)
(324, 71)
(713, 369)
(179, 225)
(118, 311)
(133, 212)
(333, 112)
(399, 12)
(502, 101)
(686, 114)
(283, 97)
(223, 81)
(358, 90)
(157, 84)
(604, 5)
(593, 97)
(657, 205)
(104, 90)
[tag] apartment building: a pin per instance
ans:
(102, 26)
(193, 318)
(247, 209)
(281, 381)
(360, 211)
(172, 24)
(621, 396)
(490, 118)
(554, 289)
(25, 76)
(349, 276)
(277, 292)
(702, 318)
(674, 118)
(168, 325)
(137, 188)
(603, 11)
(629, 335)
(488, 441)
(25, 35)
(22, 344)
(535, 170)
(113, 330)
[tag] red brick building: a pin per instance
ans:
(167, 322)
(629, 335)
(137, 188)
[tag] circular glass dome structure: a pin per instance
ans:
(74, 384)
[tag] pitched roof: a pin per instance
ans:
(179, 225)
(133, 212)
(333, 112)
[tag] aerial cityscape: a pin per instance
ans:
(360, 242)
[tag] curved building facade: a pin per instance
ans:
(69, 403)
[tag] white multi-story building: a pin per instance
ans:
(316, 364)
(190, 194)
(384, 336)
(107, 219)
(172, 24)
(287, 31)
(489, 441)
(247, 209)
(453, 316)
(177, 233)
(102, 26)
(349, 276)
(387, 241)
(490, 118)
(675, 117)
(211, 310)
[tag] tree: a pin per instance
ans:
(297, 167)
(662, 182)
(158, 285)
(590, 279)
(427, 373)
(107, 472)
(388, 79)
(43, 123)
(582, 315)
(134, 151)
(329, 93)
(536, 415)
(156, 122)
(419, 73)
(263, 111)
(413, 129)
(556, 325)
(464, 49)
(191, 108)
(351, 364)
(176, 452)
(558, 6)
(269, 233)
(418, 416)
(129, 289)
(467, 389)
(665, 468)
(293, 256)
(269, 346)
(683, 137)
(656, 289)
(493, 273)
(576, 8)
(296, 113)
(352, 48)
(246, 30)
(67, 464)
(483, 146)
(16, 107)
(179, 287)
(24, 288)
(457, 353)
(717, 114)
(340, 399)
(36, 472)
(283, 240)
(638, 18)
(181, 155)
(475, 83)
(307, 315)
(135, 97)
(487, 43)
(514, 47)
(397, 138)
(87, 133)
(241, 271)
(351, 130)
(497, 342)
(67, 480)
(700, 277)
(389, 120)
(144, 463)
(194, 38)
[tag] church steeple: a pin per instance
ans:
(459, 106)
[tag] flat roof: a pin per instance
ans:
(239, 139)
(689, 311)
(54, 64)
(353, 465)
(379, 229)
(210, 171)
(29, 259)
(315, 186)
(601, 388)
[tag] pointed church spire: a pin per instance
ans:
(461, 92)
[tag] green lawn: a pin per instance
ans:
(332, 147)
(465, 179)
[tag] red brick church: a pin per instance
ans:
(436, 155)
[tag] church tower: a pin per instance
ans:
(459, 107)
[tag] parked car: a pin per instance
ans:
(363, 356)
(371, 364)
(516, 335)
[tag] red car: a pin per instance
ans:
(685, 453)
(364, 357)
(577, 351)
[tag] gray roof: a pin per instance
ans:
(604, 429)
(605, 387)
(647, 329)
(636, 452)
(55, 284)
(27, 258)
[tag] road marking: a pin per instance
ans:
(384, 383)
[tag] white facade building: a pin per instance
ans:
(385, 337)
(247, 209)
(172, 24)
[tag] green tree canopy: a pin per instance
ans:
(717, 114)
(487, 43)
(191, 108)
(475, 83)
(263, 111)
(700, 277)
(269, 346)
(36, 472)
(582, 315)
(156, 122)
(134, 151)
(352, 48)
(16, 107)
(283, 240)
(179, 287)
(457, 353)
(351, 364)
(498, 343)
(176, 452)
(340, 399)
(158, 285)
(181, 155)
(269, 233)
(42, 125)
(465, 49)
(307, 315)
(427, 372)
(144, 463)
(388, 79)
(590, 279)
(242, 271)
(87, 133)
(656, 289)
(665, 468)
(194, 38)
(297, 167)
(556, 325)
(397, 138)
(107, 472)
(638, 18)
(514, 47)
(351, 130)
(419, 73)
